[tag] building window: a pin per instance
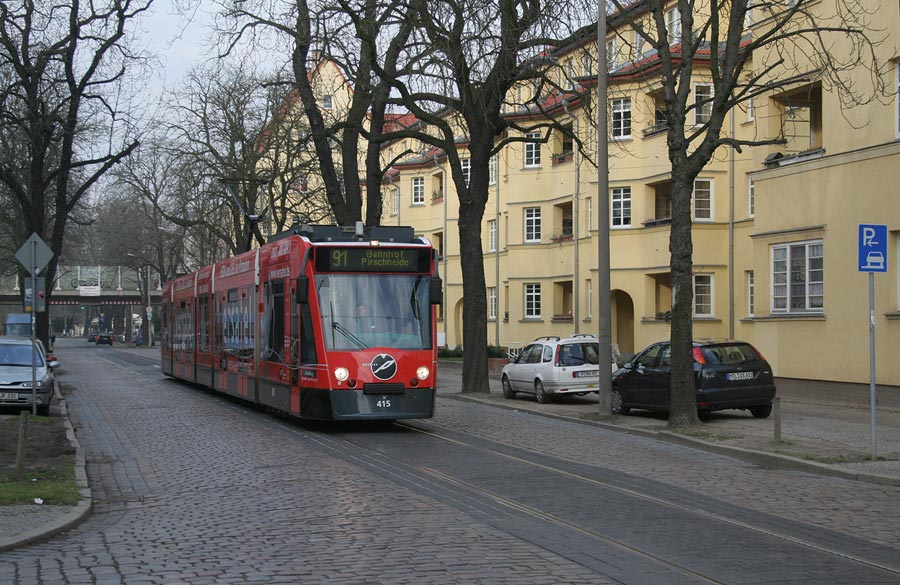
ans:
(327, 102)
(750, 294)
(586, 64)
(703, 295)
(611, 54)
(590, 214)
(494, 169)
(532, 224)
(703, 95)
(897, 96)
(303, 184)
(751, 196)
(673, 25)
(621, 207)
(637, 48)
(395, 201)
(751, 110)
(532, 300)
(418, 191)
(466, 169)
(589, 287)
(621, 118)
(703, 199)
(492, 235)
(533, 150)
(492, 302)
(798, 277)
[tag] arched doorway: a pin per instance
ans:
(456, 333)
(622, 313)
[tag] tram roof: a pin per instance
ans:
(358, 233)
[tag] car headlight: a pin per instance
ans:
(422, 373)
(341, 374)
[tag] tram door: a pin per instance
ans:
(275, 346)
(166, 349)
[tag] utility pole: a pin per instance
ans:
(604, 320)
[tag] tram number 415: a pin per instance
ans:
(383, 403)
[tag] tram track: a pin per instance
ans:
(764, 531)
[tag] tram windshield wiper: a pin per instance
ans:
(349, 335)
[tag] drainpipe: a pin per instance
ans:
(575, 287)
(497, 254)
(731, 233)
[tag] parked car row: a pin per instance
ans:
(16, 377)
(728, 375)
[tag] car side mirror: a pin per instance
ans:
(53, 363)
(628, 366)
(302, 290)
(435, 291)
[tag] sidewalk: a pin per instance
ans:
(828, 432)
(820, 437)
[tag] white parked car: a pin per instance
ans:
(551, 366)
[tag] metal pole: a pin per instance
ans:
(872, 364)
(147, 314)
(33, 327)
(604, 321)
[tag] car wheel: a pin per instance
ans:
(43, 410)
(704, 415)
(508, 392)
(540, 393)
(761, 411)
(618, 406)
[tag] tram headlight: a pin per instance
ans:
(341, 374)
(422, 373)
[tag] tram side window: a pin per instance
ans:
(184, 327)
(219, 324)
(272, 333)
(237, 322)
(203, 324)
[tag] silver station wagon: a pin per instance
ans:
(551, 366)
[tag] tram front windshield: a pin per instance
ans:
(361, 311)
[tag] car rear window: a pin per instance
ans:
(578, 354)
(730, 353)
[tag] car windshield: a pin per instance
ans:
(19, 355)
(359, 311)
(727, 354)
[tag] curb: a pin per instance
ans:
(80, 511)
(760, 458)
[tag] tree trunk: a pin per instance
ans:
(682, 391)
(475, 370)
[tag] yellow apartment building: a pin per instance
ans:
(775, 228)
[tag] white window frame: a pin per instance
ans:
(620, 113)
(611, 53)
(782, 288)
(590, 213)
(418, 190)
(532, 300)
(494, 169)
(395, 201)
(708, 309)
(327, 102)
(492, 303)
(637, 47)
(751, 109)
(751, 197)
(590, 298)
(710, 199)
(492, 235)
(586, 64)
(620, 200)
(897, 97)
(533, 151)
(466, 165)
(532, 217)
(703, 114)
(673, 25)
(751, 294)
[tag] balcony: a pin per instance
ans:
(657, 128)
(562, 158)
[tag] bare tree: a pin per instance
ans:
(63, 64)
(792, 46)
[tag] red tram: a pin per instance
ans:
(322, 322)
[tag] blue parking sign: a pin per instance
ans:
(873, 250)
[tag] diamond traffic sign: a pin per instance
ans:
(34, 254)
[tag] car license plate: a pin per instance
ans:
(734, 376)
(587, 374)
(9, 395)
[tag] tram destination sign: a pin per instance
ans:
(380, 259)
